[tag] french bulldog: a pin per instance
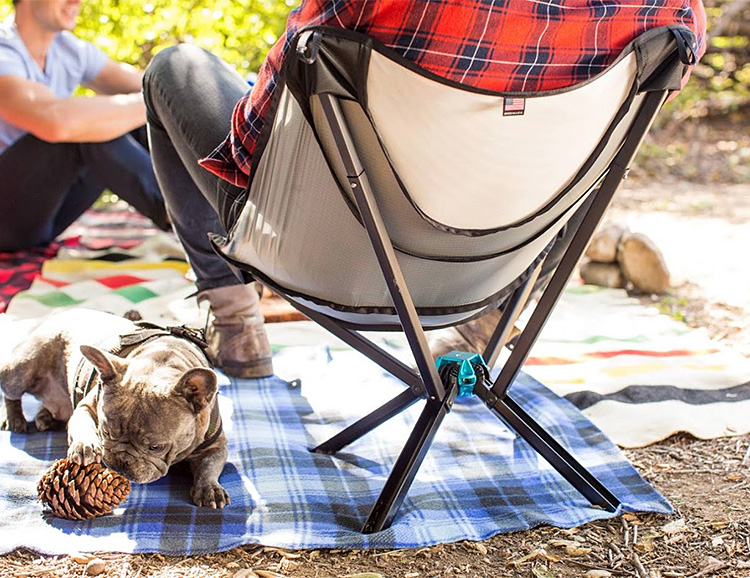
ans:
(139, 411)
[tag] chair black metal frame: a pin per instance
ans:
(425, 383)
(437, 389)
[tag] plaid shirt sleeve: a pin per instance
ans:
(515, 45)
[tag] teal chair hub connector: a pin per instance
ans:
(466, 375)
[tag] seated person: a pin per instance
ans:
(194, 99)
(57, 152)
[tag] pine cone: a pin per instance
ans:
(78, 492)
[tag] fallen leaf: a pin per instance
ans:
(541, 572)
(563, 543)
(268, 574)
(646, 543)
(481, 548)
(290, 555)
(710, 565)
(577, 550)
(364, 575)
(676, 538)
(81, 558)
(598, 574)
(537, 554)
(244, 573)
(96, 567)
(674, 527)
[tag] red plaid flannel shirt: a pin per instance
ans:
(510, 45)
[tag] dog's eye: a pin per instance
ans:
(156, 447)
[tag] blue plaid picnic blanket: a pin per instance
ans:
(477, 480)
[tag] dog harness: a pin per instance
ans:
(87, 377)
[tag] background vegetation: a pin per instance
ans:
(240, 31)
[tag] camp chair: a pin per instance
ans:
(387, 198)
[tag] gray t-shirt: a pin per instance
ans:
(70, 62)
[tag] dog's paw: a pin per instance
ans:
(13, 422)
(210, 495)
(45, 422)
(85, 452)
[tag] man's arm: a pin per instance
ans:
(35, 108)
(117, 78)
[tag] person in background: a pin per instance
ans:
(59, 152)
(205, 125)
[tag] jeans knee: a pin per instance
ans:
(172, 72)
(173, 63)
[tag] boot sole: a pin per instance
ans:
(263, 368)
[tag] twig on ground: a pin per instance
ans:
(639, 566)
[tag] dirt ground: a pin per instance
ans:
(708, 482)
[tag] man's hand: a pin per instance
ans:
(117, 78)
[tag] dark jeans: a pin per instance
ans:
(44, 187)
(190, 95)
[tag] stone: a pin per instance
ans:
(603, 245)
(602, 274)
(643, 264)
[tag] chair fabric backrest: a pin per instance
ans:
(472, 191)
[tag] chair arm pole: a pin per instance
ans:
(381, 244)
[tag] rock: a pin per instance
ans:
(602, 274)
(643, 264)
(603, 245)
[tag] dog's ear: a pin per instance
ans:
(110, 367)
(198, 386)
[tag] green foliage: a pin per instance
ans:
(721, 81)
(239, 31)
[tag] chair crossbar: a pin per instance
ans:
(390, 409)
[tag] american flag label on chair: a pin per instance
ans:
(513, 106)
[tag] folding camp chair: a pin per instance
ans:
(387, 198)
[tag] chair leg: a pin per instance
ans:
(406, 466)
(511, 311)
(560, 459)
(368, 423)
(382, 246)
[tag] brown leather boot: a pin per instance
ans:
(472, 336)
(236, 337)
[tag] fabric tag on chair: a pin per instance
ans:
(513, 106)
